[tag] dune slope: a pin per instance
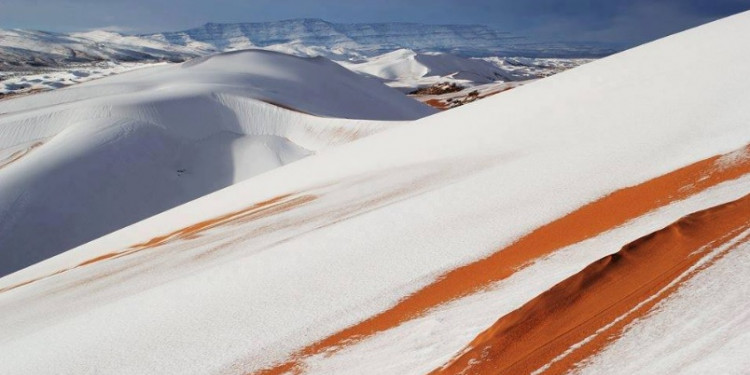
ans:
(81, 162)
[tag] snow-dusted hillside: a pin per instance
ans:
(80, 162)
(592, 222)
(21, 49)
(408, 69)
(25, 49)
(525, 68)
(404, 70)
(405, 56)
(368, 39)
(473, 78)
(371, 38)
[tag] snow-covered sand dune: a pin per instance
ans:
(418, 249)
(80, 162)
(408, 69)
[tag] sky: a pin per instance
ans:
(604, 21)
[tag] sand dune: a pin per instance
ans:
(590, 220)
(127, 147)
(576, 318)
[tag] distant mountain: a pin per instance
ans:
(374, 38)
(370, 38)
(21, 49)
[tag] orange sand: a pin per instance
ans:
(545, 327)
(261, 209)
(437, 103)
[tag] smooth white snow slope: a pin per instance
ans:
(241, 279)
(81, 162)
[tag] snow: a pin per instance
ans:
(408, 69)
(25, 49)
(525, 68)
(382, 216)
(23, 82)
(105, 154)
(402, 69)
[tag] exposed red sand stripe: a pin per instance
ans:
(443, 104)
(611, 288)
(588, 221)
(437, 104)
(261, 209)
(273, 205)
(97, 259)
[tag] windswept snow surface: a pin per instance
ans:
(80, 162)
(242, 279)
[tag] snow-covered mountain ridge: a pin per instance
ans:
(311, 37)
(373, 38)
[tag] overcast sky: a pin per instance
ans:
(620, 21)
